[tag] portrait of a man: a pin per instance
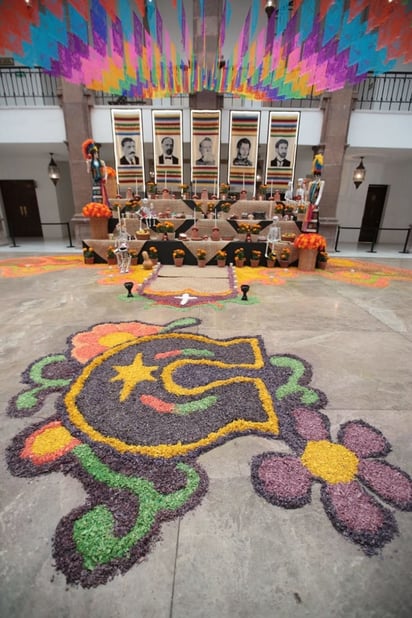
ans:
(129, 152)
(281, 152)
(167, 157)
(243, 148)
(206, 154)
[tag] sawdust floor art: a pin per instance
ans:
(137, 403)
(189, 285)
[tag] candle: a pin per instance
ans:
(194, 215)
(215, 217)
(214, 187)
(135, 188)
(271, 188)
(195, 187)
(118, 189)
(165, 180)
(118, 215)
(243, 181)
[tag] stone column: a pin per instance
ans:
(76, 102)
(206, 50)
(337, 112)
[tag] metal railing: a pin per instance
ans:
(66, 223)
(375, 231)
(386, 92)
(25, 86)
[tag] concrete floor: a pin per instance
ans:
(235, 555)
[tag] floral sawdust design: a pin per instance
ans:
(137, 403)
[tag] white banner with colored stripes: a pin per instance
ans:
(281, 153)
(243, 151)
(128, 148)
(205, 155)
(168, 149)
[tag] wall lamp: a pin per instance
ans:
(270, 7)
(53, 170)
(359, 174)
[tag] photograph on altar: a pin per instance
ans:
(128, 148)
(205, 149)
(168, 148)
(243, 150)
(283, 132)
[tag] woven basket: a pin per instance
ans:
(98, 228)
(307, 259)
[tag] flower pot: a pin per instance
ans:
(221, 263)
(283, 263)
(201, 263)
(307, 259)
(133, 261)
(154, 261)
(215, 235)
(89, 260)
(240, 262)
(322, 265)
(270, 263)
(111, 261)
(178, 261)
(254, 262)
(98, 228)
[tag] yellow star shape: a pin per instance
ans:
(133, 374)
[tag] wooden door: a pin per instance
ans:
(372, 214)
(21, 208)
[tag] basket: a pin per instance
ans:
(307, 259)
(98, 228)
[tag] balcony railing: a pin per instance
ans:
(24, 86)
(387, 92)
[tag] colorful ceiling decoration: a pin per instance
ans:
(145, 49)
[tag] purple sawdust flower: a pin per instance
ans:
(346, 470)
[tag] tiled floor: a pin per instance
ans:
(235, 555)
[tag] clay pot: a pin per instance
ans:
(178, 261)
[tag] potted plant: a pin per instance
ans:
(288, 237)
(178, 256)
(165, 228)
(133, 256)
(98, 215)
(271, 259)
(240, 257)
(284, 257)
(151, 188)
(225, 206)
(221, 258)
(278, 209)
(201, 257)
(183, 189)
(111, 256)
(255, 258)
(224, 189)
(309, 245)
(322, 259)
(88, 255)
(153, 254)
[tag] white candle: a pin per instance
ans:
(194, 215)
(118, 189)
(243, 181)
(271, 188)
(215, 217)
(135, 189)
(195, 187)
(118, 215)
(214, 187)
(165, 180)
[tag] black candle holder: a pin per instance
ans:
(129, 286)
(245, 289)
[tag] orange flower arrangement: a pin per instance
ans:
(95, 209)
(310, 241)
